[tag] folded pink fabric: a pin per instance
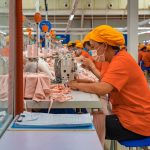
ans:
(39, 93)
(30, 85)
(37, 86)
(45, 82)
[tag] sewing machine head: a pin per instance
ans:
(65, 68)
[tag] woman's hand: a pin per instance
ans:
(88, 63)
(73, 84)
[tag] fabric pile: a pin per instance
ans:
(60, 93)
(37, 86)
(85, 74)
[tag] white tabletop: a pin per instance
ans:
(50, 140)
(80, 100)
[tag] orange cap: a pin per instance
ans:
(148, 47)
(77, 41)
(141, 46)
(79, 45)
(107, 34)
(87, 38)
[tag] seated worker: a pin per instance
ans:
(146, 57)
(126, 85)
(77, 41)
(86, 44)
(5, 51)
(71, 46)
(79, 52)
(141, 51)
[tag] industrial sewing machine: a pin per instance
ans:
(65, 68)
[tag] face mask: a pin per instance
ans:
(94, 52)
(99, 58)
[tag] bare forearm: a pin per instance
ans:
(84, 81)
(95, 88)
(96, 72)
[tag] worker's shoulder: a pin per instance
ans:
(124, 60)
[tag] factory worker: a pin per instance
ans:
(79, 52)
(141, 51)
(77, 41)
(146, 56)
(86, 43)
(70, 46)
(5, 51)
(126, 85)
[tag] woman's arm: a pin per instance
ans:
(99, 88)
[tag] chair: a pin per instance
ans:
(139, 144)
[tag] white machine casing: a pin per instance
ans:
(65, 68)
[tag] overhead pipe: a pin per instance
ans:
(74, 7)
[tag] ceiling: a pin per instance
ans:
(88, 13)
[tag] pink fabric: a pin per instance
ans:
(86, 75)
(39, 93)
(3, 87)
(36, 86)
(30, 85)
(60, 93)
(42, 91)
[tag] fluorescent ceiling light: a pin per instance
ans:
(2, 32)
(143, 28)
(143, 32)
(71, 17)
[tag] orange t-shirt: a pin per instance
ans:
(102, 67)
(131, 97)
(146, 59)
(140, 55)
(4, 52)
(86, 54)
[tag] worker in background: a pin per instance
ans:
(77, 41)
(80, 53)
(146, 56)
(5, 51)
(71, 46)
(124, 82)
(141, 51)
(86, 44)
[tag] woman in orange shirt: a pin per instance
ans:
(146, 57)
(126, 85)
(79, 52)
(141, 51)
